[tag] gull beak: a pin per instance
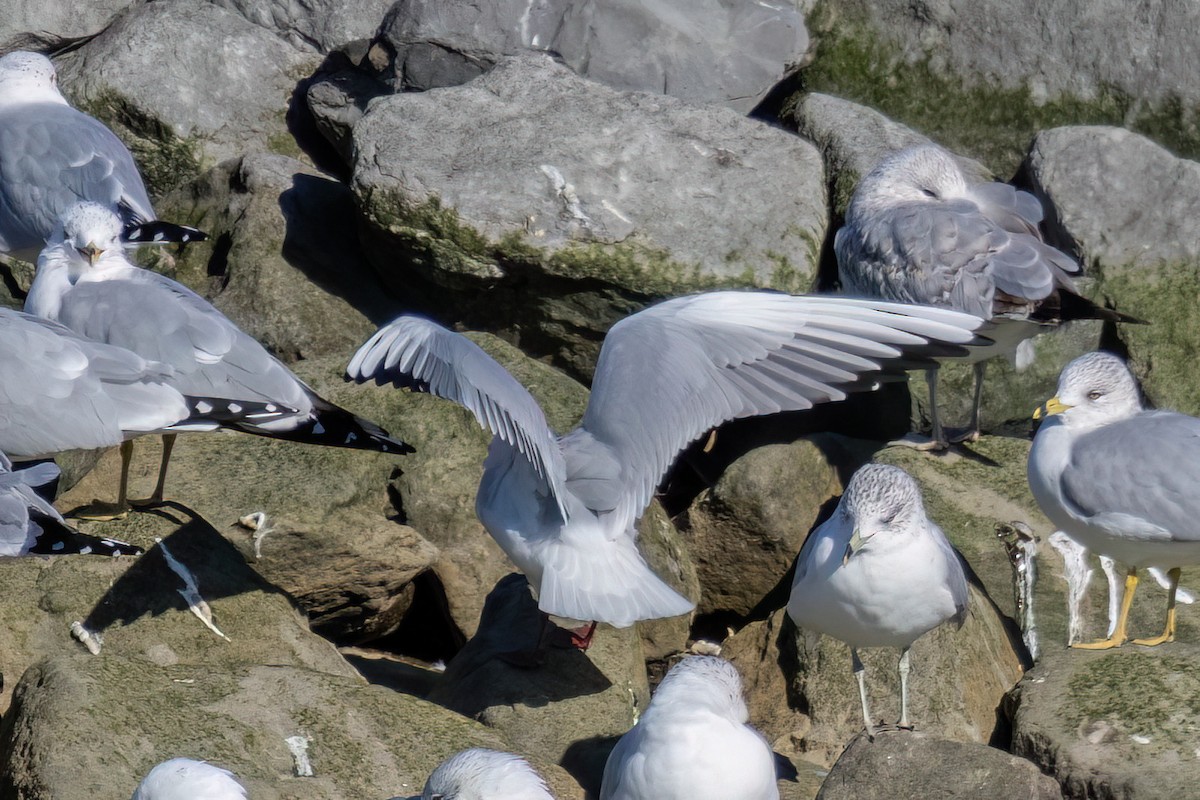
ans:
(1050, 408)
(854, 545)
(92, 253)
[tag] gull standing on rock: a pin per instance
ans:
(1118, 479)
(917, 232)
(188, 779)
(693, 742)
(52, 156)
(564, 508)
(878, 573)
(481, 774)
(84, 281)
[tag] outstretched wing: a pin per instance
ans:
(669, 373)
(419, 354)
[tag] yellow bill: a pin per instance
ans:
(1050, 408)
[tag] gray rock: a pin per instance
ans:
(282, 259)
(853, 138)
(626, 195)
(338, 95)
(187, 84)
(1112, 724)
(904, 764)
(1122, 201)
(333, 547)
(568, 710)
(730, 53)
(321, 25)
(744, 533)
(28, 23)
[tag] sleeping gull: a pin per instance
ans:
(878, 573)
(61, 391)
(917, 232)
(564, 508)
(188, 779)
(1118, 479)
(85, 281)
(30, 525)
(693, 742)
(52, 156)
(481, 774)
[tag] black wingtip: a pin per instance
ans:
(59, 539)
(161, 232)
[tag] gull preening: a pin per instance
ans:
(564, 508)
(878, 573)
(482, 774)
(1119, 479)
(917, 232)
(188, 779)
(693, 742)
(85, 281)
(52, 156)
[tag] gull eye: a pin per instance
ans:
(1095, 395)
(928, 193)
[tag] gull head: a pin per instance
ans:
(922, 174)
(481, 774)
(89, 232)
(1093, 390)
(880, 499)
(181, 778)
(707, 682)
(28, 77)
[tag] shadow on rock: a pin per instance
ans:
(151, 587)
(478, 677)
(585, 760)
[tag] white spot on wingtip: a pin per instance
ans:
(235, 408)
(204, 407)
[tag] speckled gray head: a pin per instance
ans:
(703, 681)
(482, 774)
(1094, 389)
(916, 174)
(27, 75)
(879, 496)
(88, 230)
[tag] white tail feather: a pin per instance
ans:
(610, 584)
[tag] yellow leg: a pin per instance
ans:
(1118, 635)
(1168, 634)
(103, 512)
(168, 444)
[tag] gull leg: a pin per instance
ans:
(1118, 636)
(1168, 634)
(973, 433)
(903, 669)
(104, 512)
(860, 673)
(168, 444)
(937, 439)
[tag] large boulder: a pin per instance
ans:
(734, 57)
(906, 764)
(570, 202)
(282, 259)
(984, 77)
(29, 23)
(163, 685)
(328, 509)
(1112, 724)
(187, 84)
(321, 25)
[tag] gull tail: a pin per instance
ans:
(333, 426)
(57, 538)
(608, 582)
(161, 232)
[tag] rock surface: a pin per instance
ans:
(53, 21)
(903, 764)
(1112, 724)
(321, 25)
(187, 84)
(733, 57)
(628, 195)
